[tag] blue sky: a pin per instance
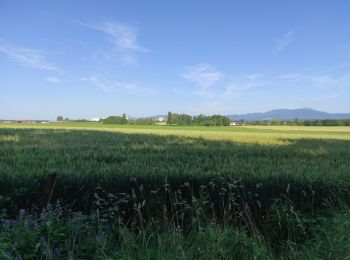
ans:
(85, 59)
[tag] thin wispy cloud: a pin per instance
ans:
(124, 37)
(245, 82)
(107, 85)
(326, 97)
(29, 57)
(313, 78)
(241, 84)
(204, 76)
(291, 76)
(53, 80)
(283, 42)
(321, 86)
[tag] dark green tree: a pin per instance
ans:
(169, 118)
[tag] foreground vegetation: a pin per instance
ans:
(54, 235)
(97, 191)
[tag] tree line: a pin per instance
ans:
(173, 119)
(200, 120)
(214, 120)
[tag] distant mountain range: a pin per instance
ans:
(289, 114)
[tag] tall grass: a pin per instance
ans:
(56, 233)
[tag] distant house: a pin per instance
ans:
(234, 123)
(95, 119)
(161, 119)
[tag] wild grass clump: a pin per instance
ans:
(52, 236)
(59, 234)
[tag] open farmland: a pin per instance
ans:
(87, 155)
(234, 167)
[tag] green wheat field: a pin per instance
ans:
(269, 192)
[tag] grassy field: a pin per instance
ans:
(237, 133)
(87, 154)
(225, 176)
